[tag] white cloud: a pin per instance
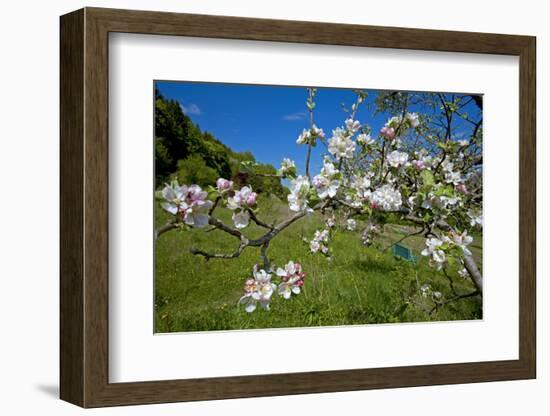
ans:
(192, 109)
(295, 116)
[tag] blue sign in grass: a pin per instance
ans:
(403, 252)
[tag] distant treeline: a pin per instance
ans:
(193, 156)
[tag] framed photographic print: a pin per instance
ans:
(256, 207)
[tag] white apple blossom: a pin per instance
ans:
(368, 234)
(314, 246)
(328, 169)
(386, 198)
(288, 168)
(453, 177)
(423, 160)
(449, 201)
(241, 219)
(325, 183)
(365, 139)
(304, 137)
(353, 201)
(320, 242)
(425, 290)
(447, 166)
(259, 289)
(352, 125)
(309, 135)
(413, 119)
(351, 224)
(361, 185)
(397, 122)
(188, 201)
(476, 218)
(322, 236)
(341, 145)
(434, 251)
(325, 187)
(240, 202)
(292, 279)
(175, 196)
(299, 192)
(462, 240)
(394, 122)
(244, 198)
(317, 132)
(440, 202)
(397, 158)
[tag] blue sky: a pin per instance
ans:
(266, 120)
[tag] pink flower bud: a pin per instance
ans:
(387, 132)
(461, 188)
(223, 184)
(418, 164)
(251, 200)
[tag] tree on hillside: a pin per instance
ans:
(185, 152)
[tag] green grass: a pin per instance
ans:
(359, 286)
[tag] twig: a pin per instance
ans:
(454, 299)
(220, 225)
(208, 256)
(254, 218)
(267, 266)
(166, 227)
(405, 237)
(213, 207)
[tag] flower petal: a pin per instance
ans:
(251, 307)
(171, 208)
(168, 193)
(200, 220)
(241, 219)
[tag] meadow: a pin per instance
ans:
(359, 285)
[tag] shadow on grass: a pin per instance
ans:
(381, 263)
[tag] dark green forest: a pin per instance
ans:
(192, 156)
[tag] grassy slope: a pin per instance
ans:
(359, 286)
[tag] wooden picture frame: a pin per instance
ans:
(84, 207)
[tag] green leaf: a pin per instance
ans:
(445, 191)
(427, 178)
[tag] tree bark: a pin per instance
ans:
(474, 272)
